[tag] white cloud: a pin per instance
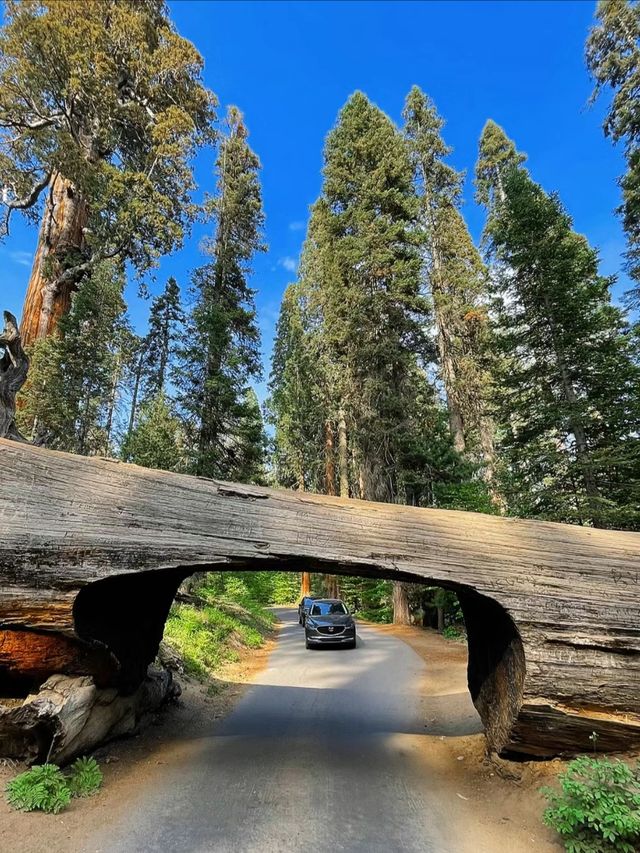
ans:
(290, 264)
(23, 258)
(297, 225)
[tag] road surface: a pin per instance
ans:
(324, 752)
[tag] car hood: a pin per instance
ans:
(333, 619)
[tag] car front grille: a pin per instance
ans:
(332, 630)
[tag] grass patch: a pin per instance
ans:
(213, 632)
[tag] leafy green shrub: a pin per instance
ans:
(597, 809)
(85, 777)
(452, 632)
(46, 788)
(43, 788)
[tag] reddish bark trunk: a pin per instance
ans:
(305, 583)
(61, 232)
(401, 614)
(329, 460)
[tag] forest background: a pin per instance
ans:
(424, 389)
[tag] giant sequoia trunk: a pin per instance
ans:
(92, 552)
(305, 584)
(401, 612)
(60, 246)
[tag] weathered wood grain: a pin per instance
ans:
(93, 550)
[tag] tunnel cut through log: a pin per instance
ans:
(496, 668)
(564, 599)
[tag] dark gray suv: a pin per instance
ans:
(329, 623)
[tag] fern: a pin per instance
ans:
(85, 777)
(43, 788)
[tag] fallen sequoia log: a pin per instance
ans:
(92, 552)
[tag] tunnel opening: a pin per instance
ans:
(496, 665)
(126, 614)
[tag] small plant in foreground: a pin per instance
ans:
(42, 788)
(85, 777)
(46, 788)
(597, 809)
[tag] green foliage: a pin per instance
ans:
(371, 599)
(157, 439)
(367, 285)
(613, 57)
(231, 616)
(46, 788)
(456, 279)
(220, 350)
(165, 320)
(295, 406)
(497, 157)
(285, 588)
(42, 788)
(597, 809)
(250, 442)
(71, 396)
(85, 777)
(452, 632)
(108, 95)
(565, 389)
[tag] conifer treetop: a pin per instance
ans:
(496, 156)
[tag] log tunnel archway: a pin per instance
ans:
(565, 599)
(496, 660)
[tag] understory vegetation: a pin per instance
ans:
(224, 613)
(597, 809)
(46, 788)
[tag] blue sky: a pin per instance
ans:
(290, 66)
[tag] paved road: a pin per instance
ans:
(313, 757)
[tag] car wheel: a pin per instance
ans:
(353, 644)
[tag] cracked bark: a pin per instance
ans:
(61, 234)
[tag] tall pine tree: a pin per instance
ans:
(369, 292)
(153, 356)
(456, 279)
(220, 351)
(567, 388)
(361, 278)
(294, 407)
(613, 56)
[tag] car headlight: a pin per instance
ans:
(310, 622)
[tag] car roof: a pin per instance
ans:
(330, 600)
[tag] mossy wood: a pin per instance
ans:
(92, 552)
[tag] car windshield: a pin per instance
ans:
(328, 608)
